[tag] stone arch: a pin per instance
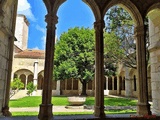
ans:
(129, 7)
(25, 71)
(153, 7)
(95, 9)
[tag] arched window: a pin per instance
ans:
(23, 80)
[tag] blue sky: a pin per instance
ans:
(71, 14)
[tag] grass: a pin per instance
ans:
(74, 113)
(35, 101)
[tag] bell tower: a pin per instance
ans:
(21, 31)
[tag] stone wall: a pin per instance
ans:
(154, 32)
(7, 24)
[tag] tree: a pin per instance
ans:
(30, 87)
(120, 24)
(17, 84)
(111, 47)
(74, 56)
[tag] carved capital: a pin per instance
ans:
(51, 19)
(139, 31)
(99, 25)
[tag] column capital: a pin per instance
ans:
(139, 30)
(51, 19)
(99, 24)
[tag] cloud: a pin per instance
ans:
(24, 7)
(43, 38)
(43, 30)
(36, 48)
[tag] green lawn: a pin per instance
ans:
(35, 101)
(74, 113)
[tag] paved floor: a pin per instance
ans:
(83, 117)
(76, 117)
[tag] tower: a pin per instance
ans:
(21, 32)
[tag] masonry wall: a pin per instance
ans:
(154, 32)
(8, 10)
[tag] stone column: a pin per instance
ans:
(26, 82)
(128, 83)
(35, 73)
(106, 92)
(58, 87)
(45, 112)
(112, 82)
(35, 78)
(118, 86)
(99, 69)
(106, 83)
(143, 107)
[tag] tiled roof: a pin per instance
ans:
(35, 54)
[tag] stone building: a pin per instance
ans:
(138, 9)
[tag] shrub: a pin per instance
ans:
(17, 84)
(30, 87)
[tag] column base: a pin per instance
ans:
(143, 109)
(45, 112)
(6, 112)
(99, 111)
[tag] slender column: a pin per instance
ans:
(112, 82)
(26, 82)
(35, 73)
(106, 92)
(45, 112)
(118, 85)
(106, 83)
(128, 83)
(143, 107)
(99, 70)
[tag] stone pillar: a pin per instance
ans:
(58, 87)
(35, 78)
(26, 82)
(45, 112)
(99, 69)
(106, 92)
(143, 107)
(154, 49)
(112, 82)
(128, 83)
(106, 83)
(35, 73)
(118, 86)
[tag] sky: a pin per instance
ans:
(72, 13)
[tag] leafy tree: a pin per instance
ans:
(111, 46)
(30, 87)
(120, 24)
(74, 56)
(17, 84)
